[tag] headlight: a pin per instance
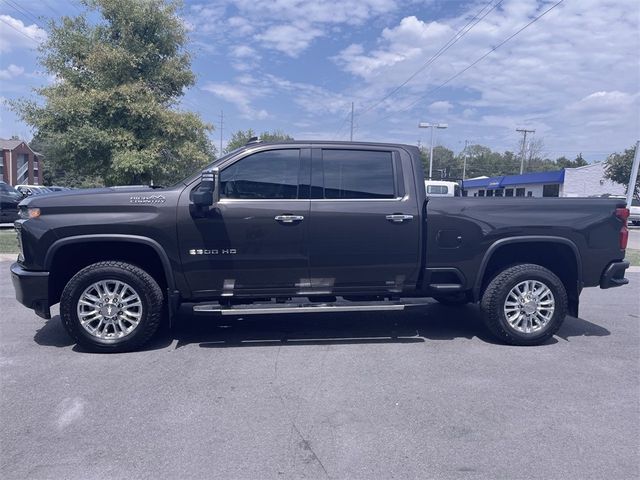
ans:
(29, 212)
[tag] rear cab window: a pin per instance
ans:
(356, 174)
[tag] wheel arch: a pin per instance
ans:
(68, 255)
(558, 254)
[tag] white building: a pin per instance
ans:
(587, 181)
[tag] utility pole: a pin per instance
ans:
(634, 175)
(351, 137)
(431, 126)
(524, 146)
(464, 156)
(221, 126)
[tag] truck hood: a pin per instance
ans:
(98, 197)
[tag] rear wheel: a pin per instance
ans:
(111, 307)
(524, 304)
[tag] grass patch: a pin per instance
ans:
(8, 241)
(633, 257)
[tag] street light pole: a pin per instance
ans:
(431, 126)
(634, 175)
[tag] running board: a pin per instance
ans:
(262, 310)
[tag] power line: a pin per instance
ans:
(21, 10)
(452, 41)
(344, 122)
(19, 31)
(478, 60)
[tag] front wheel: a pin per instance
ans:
(524, 304)
(111, 307)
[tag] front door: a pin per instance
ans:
(365, 223)
(254, 239)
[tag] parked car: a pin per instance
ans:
(9, 200)
(56, 188)
(634, 212)
(340, 226)
(28, 190)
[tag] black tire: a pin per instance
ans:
(452, 299)
(150, 294)
(495, 295)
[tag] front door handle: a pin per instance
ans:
(288, 218)
(399, 218)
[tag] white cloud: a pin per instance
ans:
(287, 26)
(241, 25)
(14, 33)
(241, 95)
(289, 39)
(242, 51)
(352, 12)
(313, 99)
(244, 58)
(570, 73)
(247, 90)
(12, 71)
(441, 106)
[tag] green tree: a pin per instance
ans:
(564, 162)
(241, 137)
(445, 164)
(112, 113)
(618, 169)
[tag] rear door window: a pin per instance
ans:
(358, 174)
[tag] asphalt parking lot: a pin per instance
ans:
(424, 394)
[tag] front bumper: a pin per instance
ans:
(32, 289)
(613, 276)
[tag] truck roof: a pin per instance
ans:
(330, 142)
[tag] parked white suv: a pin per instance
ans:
(634, 212)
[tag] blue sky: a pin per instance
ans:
(296, 65)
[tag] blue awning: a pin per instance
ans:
(556, 176)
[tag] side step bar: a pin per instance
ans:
(295, 308)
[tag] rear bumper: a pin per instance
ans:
(613, 276)
(32, 289)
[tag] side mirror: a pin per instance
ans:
(207, 192)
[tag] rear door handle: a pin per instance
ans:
(399, 218)
(288, 218)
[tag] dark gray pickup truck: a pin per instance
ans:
(309, 227)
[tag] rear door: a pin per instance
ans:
(364, 229)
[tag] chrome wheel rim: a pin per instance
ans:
(109, 309)
(529, 306)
